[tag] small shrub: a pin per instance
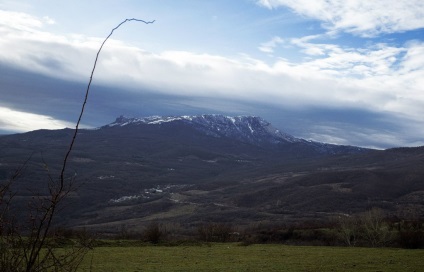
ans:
(216, 232)
(411, 234)
(154, 233)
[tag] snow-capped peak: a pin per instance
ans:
(151, 120)
(250, 129)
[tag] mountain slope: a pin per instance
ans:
(211, 167)
(245, 129)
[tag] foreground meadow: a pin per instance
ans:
(233, 257)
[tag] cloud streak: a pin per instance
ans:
(24, 121)
(268, 47)
(361, 17)
(344, 75)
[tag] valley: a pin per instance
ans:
(214, 169)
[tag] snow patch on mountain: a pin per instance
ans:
(251, 129)
(246, 129)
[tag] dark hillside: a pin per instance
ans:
(191, 170)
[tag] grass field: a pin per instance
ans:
(233, 257)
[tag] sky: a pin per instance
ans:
(345, 72)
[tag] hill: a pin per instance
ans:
(211, 168)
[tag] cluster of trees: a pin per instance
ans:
(368, 229)
(373, 229)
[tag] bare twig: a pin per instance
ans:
(31, 258)
(58, 195)
(87, 92)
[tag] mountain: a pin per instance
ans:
(249, 129)
(209, 168)
(245, 129)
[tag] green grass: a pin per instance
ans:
(232, 257)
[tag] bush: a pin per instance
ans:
(217, 232)
(411, 234)
(154, 233)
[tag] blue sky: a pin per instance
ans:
(344, 72)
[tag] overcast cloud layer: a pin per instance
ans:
(369, 74)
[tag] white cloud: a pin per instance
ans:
(268, 47)
(49, 20)
(352, 62)
(313, 49)
(413, 60)
(13, 120)
(27, 46)
(360, 17)
(19, 21)
(375, 138)
(378, 77)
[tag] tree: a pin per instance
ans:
(374, 229)
(348, 229)
(154, 232)
(28, 242)
(215, 232)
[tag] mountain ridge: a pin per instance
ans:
(188, 172)
(249, 129)
(214, 124)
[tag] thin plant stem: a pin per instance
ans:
(62, 173)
